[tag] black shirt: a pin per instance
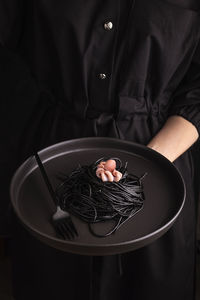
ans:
(144, 64)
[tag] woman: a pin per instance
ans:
(125, 69)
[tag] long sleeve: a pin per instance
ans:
(186, 100)
(11, 20)
(18, 89)
(20, 101)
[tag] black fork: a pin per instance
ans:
(61, 219)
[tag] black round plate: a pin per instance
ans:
(163, 187)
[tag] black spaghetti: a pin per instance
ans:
(86, 196)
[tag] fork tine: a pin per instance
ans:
(59, 233)
(71, 226)
(67, 231)
(68, 228)
(62, 232)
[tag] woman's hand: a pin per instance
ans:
(176, 136)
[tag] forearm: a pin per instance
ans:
(176, 136)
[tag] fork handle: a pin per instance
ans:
(46, 179)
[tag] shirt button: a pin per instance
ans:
(102, 76)
(108, 26)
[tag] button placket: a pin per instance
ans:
(108, 25)
(102, 67)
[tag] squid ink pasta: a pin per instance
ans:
(100, 192)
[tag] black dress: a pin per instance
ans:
(99, 68)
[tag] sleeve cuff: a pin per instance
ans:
(190, 113)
